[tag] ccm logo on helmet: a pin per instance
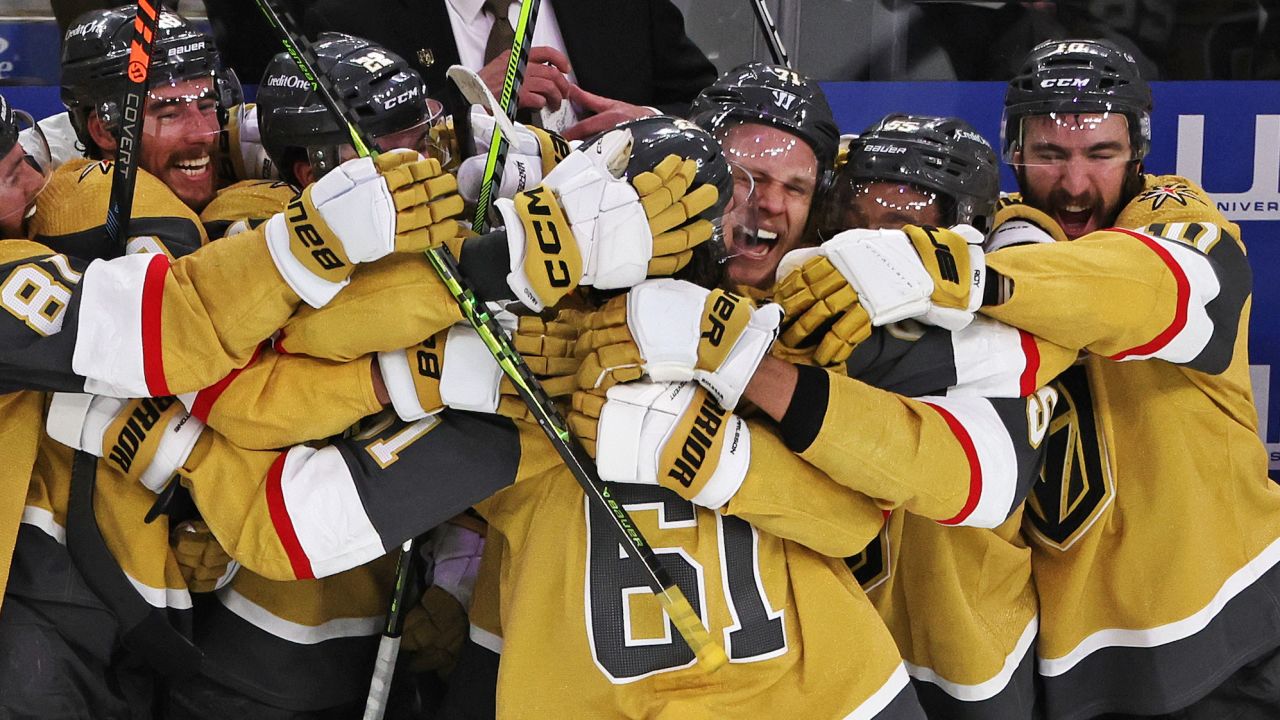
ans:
(410, 94)
(1064, 82)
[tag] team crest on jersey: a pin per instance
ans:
(1075, 485)
(102, 166)
(1172, 192)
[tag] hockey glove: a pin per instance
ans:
(825, 308)
(1017, 223)
(585, 226)
(434, 630)
(932, 274)
(205, 565)
(146, 440)
(531, 156)
(454, 369)
(359, 212)
(669, 434)
(671, 330)
(388, 305)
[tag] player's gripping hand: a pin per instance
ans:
(585, 225)
(669, 434)
(825, 307)
(672, 330)
(933, 274)
(1017, 223)
(144, 439)
(204, 564)
(359, 212)
(532, 154)
(454, 369)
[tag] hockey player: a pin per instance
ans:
(1155, 550)
(969, 654)
(24, 169)
(940, 170)
(776, 126)
(1154, 530)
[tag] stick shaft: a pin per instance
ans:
(770, 32)
(129, 149)
(511, 83)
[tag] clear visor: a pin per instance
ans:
(739, 225)
(885, 205)
(430, 137)
(184, 110)
(24, 171)
(1060, 140)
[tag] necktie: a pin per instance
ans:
(501, 35)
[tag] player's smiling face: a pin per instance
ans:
(785, 174)
(179, 135)
(1074, 168)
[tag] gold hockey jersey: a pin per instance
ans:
(245, 205)
(763, 575)
(1154, 529)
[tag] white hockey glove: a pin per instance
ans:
(531, 156)
(932, 274)
(669, 434)
(359, 212)
(451, 369)
(584, 225)
(672, 330)
(145, 439)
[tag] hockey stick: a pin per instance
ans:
(138, 73)
(384, 666)
(143, 628)
(575, 457)
(770, 32)
(511, 83)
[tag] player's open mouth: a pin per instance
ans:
(754, 245)
(194, 167)
(1074, 219)
(31, 212)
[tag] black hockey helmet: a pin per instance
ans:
(1077, 77)
(95, 52)
(657, 136)
(758, 92)
(386, 94)
(938, 155)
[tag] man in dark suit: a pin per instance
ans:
(619, 59)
